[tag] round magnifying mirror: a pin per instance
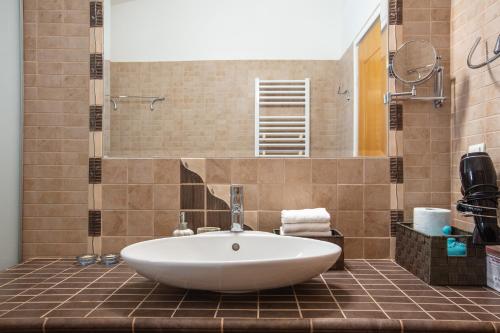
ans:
(414, 62)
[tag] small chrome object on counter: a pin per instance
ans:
(110, 259)
(86, 259)
(201, 230)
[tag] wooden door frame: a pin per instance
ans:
(359, 37)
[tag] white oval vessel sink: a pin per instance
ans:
(231, 262)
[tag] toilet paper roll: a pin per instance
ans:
(430, 221)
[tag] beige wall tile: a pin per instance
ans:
(114, 171)
(271, 171)
(350, 197)
(140, 196)
(350, 171)
(114, 223)
(244, 171)
(166, 171)
(140, 171)
(140, 223)
(297, 171)
(114, 197)
(218, 171)
(324, 171)
(166, 197)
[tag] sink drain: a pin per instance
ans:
(236, 247)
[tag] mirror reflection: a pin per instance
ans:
(245, 78)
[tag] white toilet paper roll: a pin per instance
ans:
(431, 220)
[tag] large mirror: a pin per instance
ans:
(245, 78)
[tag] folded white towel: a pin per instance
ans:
(307, 233)
(306, 227)
(305, 216)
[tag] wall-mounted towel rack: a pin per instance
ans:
(496, 52)
(153, 99)
(282, 126)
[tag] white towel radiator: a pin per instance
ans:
(282, 122)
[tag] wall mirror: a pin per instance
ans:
(245, 78)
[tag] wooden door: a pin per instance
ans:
(372, 125)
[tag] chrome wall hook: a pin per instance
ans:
(496, 52)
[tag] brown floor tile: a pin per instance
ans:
(365, 314)
(430, 300)
(24, 313)
(228, 313)
(485, 316)
(195, 313)
(159, 305)
(199, 305)
(392, 299)
(67, 313)
(278, 314)
(441, 307)
(238, 305)
(451, 316)
(318, 306)
(278, 306)
(399, 307)
(353, 299)
(359, 306)
(163, 313)
(110, 313)
(321, 314)
(408, 315)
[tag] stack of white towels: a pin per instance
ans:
(305, 222)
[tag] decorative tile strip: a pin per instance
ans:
(395, 12)
(95, 170)
(397, 216)
(95, 223)
(96, 14)
(389, 69)
(396, 117)
(396, 165)
(96, 66)
(95, 118)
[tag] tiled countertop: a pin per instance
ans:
(378, 295)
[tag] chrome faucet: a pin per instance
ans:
(237, 221)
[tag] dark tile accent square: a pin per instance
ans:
(95, 223)
(192, 197)
(195, 220)
(397, 216)
(396, 166)
(96, 66)
(396, 117)
(219, 219)
(390, 71)
(189, 177)
(95, 118)
(395, 12)
(214, 203)
(95, 170)
(96, 14)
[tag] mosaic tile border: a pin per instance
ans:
(96, 101)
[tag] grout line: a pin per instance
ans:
(474, 303)
(401, 290)
(110, 295)
(218, 306)
(258, 304)
(33, 297)
(297, 302)
(331, 294)
(80, 290)
(363, 287)
(31, 272)
(179, 304)
(144, 299)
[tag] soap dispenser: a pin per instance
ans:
(183, 229)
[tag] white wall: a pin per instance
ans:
(152, 30)
(352, 24)
(10, 131)
(170, 30)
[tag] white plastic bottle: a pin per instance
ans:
(183, 229)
